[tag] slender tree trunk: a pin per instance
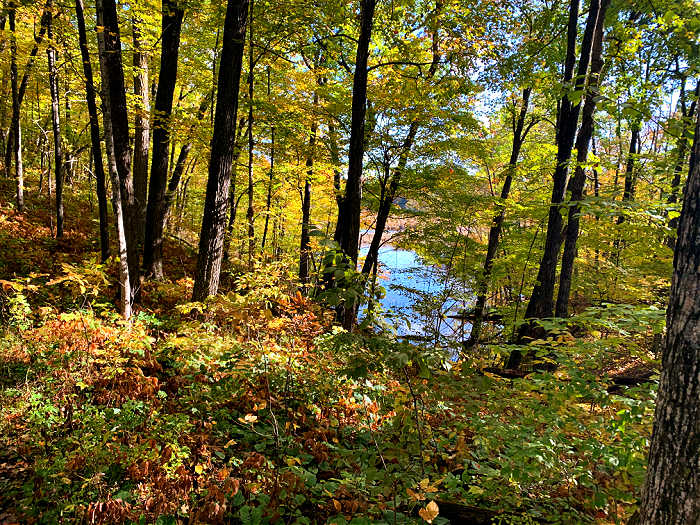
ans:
(111, 61)
(347, 231)
(156, 212)
(94, 133)
(268, 201)
(305, 244)
(141, 128)
(335, 160)
(671, 494)
(117, 205)
(250, 212)
(578, 182)
(16, 128)
(541, 302)
(222, 148)
(56, 126)
(11, 149)
(519, 133)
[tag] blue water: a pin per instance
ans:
(419, 297)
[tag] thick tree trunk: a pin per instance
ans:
(671, 495)
(56, 127)
(347, 231)
(541, 302)
(156, 212)
(111, 61)
(578, 182)
(94, 132)
(141, 128)
(117, 205)
(305, 244)
(223, 142)
(519, 133)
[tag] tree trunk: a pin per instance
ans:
(94, 133)
(141, 128)
(16, 128)
(305, 244)
(117, 205)
(541, 302)
(347, 231)
(156, 212)
(578, 182)
(115, 98)
(519, 133)
(56, 126)
(250, 212)
(671, 494)
(268, 201)
(10, 148)
(211, 238)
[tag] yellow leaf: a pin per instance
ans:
(199, 468)
(430, 512)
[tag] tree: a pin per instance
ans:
(141, 127)
(211, 239)
(96, 149)
(155, 214)
(56, 126)
(671, 494)
(115, 102)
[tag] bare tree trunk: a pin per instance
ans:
(156, 212)
(141, 128)
(347, 230)
(250, 212)
(305, 243)
(223, 142)
(56, 126)
(94, 132)
(578, 182)
(16, 127)
(122, 246)
(671, 494)
(112, 66)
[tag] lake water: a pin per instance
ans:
(419, 297)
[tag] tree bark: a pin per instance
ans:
(671, 494)
(541, 302)
(250, 212)
(16, 141)
(578, 182)
(347, 231)
(115, 98)
(94, 133)
(519, 133)
(117, 205)
(56, 126)
(141, 128)
(156, 211)
(305, 243)
(211, 238)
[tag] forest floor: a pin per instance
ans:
(254, 408)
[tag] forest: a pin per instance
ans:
(376, 261)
